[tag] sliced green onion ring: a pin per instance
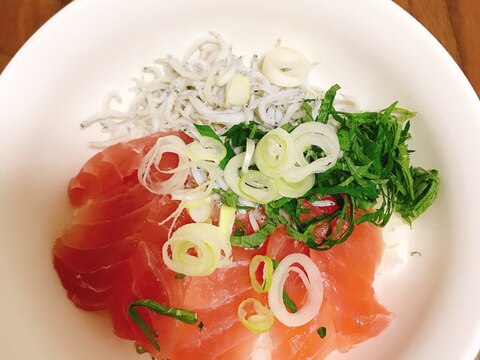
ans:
(256, 261)
(206, 148)
(259, 322)
(313, 282)
(230, 173)
(197, 249)
(274, 153)
(295, 189)
(166, 144)
(249, 151)
(258, 187)
(318, 134)
(286, 67)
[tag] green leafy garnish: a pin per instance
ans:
(289, 302)
(335, 227)
(275, 263)
(371, 180)
(327, 104)
(185, 316)
(200, 325)
(256, 239)
(228, 197)
(425, 185)
(179, 276)
(238, 134)
(206, 130)
(322, 331)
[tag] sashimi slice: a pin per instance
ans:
(110, 255)
(218, 288)
(123, 201)
(281, 245)
(88, 261)
(98, 281)
(304, 342)
(84, 298)
(112, 166)
(349, 270)
(221, 331)
(91, 255)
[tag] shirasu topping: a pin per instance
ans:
(209, 85)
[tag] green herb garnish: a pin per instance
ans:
(238, 134)
(290, 305)
(179, 276)
(322, 331)
(374, 169)
(185, 316)
(254, 240)
(228, 197)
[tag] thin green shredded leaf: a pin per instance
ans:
(308, 109)
(238, 134)
(179, 276)
(371, 180)
(275, 263)
(256, 239)
(228, 197)
(327, 104)
(185, 316)
(200, 325)
(289, 303)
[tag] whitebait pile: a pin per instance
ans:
(211, 85)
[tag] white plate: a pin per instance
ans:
(372, 48)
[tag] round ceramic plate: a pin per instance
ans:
(373, 49)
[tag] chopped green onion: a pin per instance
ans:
(274, 153)
(295, 189)
(231, 175)
(206, 148)
(261, 321)
(197, 249)
(258, 187)
(256, 261)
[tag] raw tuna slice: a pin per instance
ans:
(349, 271)
(110, 255)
